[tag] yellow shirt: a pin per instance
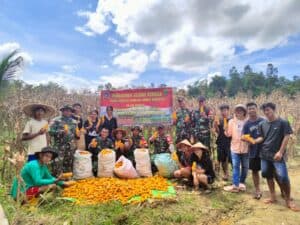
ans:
(36, 144)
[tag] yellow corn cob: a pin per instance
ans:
(194, 166)
(201, 109)
(67, 175)
(175, 157)
(77, 131)
(66, 128)
(174, 116)
(225, 122)
(94, 143)
(46, 126)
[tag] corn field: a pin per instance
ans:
(13, 119)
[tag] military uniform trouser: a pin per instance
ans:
(64, 162)
(180, 136)
(204, 139)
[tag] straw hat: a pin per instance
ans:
(184, 142)
(240, 106)
(199, 145)
(119, 130)
(29, 109)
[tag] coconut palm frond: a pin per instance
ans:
(10, 66)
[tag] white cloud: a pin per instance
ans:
(69, 81)
(134, 60)
(119, 79)
(69, 68)
(9, 47)
(95, 24)
(193, 36)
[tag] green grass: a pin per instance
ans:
(188, 208)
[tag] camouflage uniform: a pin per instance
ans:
(101, 144)
(136, 142)
(201, 127)
(64, 143)
(183, 125)
(161, 144)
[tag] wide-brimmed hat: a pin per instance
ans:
(199, 145)
(48, 150)
(201, 99)
(119, 130)
(160, 126)
(184, 142)
(29, 109)
(66, 107)
(240, 106)
(136, 128)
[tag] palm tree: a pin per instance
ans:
(9, 67)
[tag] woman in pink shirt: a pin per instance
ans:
(239, 150)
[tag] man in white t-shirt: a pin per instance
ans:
(35, 131)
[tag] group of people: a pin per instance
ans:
(245, 140)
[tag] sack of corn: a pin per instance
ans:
(82, 167)
(106, 163)
(124, 169)
(142, 160)
(165, 164)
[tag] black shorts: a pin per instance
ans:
(210, 179)
(255, 164)
(224, 153)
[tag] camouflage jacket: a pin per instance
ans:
(137, 142)
(63, 130)
(161, 144)
(200, 123)
(183, 123)
(104, 143)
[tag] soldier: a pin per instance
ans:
(63, 132)
(182, 121)
(97, 145)
(137, 140)
(161, 141)
(201, 123)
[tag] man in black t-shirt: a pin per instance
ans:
(223, 142)
(274, 134)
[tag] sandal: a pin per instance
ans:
(270, 201)
(257, 195)
(242, 187)
(231, 188)
(292, 206)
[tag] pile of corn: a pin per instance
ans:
(101, 190)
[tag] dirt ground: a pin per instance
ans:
(256, 212)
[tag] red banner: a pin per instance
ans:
(139, 106)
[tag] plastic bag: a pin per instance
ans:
(82, 167)
(165, 164)
(106, 163)
(124, 169)
(143, 163)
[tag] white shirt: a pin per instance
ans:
(36, 144)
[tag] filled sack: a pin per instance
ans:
(124, 169)
(106, 163)
(142, 162)
(165, 164)
(82, 166)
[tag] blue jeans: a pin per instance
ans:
(269, 169)
(240, 165)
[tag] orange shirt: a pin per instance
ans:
(235, 128)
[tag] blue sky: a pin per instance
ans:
(84, 43)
